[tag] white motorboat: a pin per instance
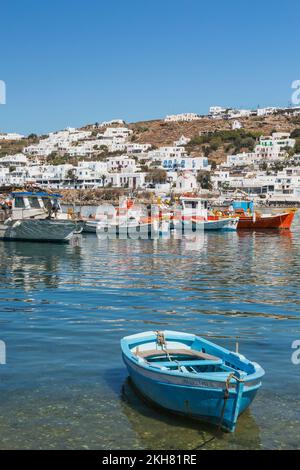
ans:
(35, 217)
(194, 215)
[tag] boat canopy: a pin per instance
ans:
(245, 205)
(33, 194)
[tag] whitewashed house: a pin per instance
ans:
(181, 141)
(182, 117)
(11, 136)
(236, 125)
(187, 182)
(122, 162)
(217, 112)
(273, 147)
(18, 159)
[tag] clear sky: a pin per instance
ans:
(71, 62)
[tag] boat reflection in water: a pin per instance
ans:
(33, 268)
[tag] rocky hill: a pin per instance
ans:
(160, 133)
(212, 138)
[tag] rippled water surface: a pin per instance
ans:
(64, 309)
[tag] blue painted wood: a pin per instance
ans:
(187, 388)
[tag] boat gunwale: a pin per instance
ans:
(208, 376)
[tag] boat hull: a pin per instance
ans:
(38, 230)
(198, 399)
(225, 224)
(131, 230)
(278, 221)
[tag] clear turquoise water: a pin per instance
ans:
(63, 310)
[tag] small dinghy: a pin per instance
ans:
(189, 375)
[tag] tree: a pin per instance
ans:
(103, 178)
(263, 166)
(157, 176)
(212, 164)
(295, 133)
(203, 178)
(297, 146)
(71, 174)
(32, 137)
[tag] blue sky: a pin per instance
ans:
(69, 62)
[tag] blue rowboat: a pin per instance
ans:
(189, 375)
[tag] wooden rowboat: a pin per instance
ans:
(189, 375)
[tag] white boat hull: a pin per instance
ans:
(228, 224)
(37, 230)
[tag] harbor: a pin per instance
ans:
(149, 232)
(66, 307)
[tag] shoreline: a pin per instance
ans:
(95, 197)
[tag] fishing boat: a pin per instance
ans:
(194, 215)
(30, 217)
(249, 219)
(126, 220)
(192, 376)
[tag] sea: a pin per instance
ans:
(65, 307)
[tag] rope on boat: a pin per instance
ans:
(161, 341)
(226, 396)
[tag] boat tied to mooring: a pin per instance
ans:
(251, 219)
(35, 216)
(192, 376)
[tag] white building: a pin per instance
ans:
(167, 153)
(117, 132)
(217, 112)
(241, 159)
(266, 111)
(181, 141)
(3, 175)
(135, 147)
(186, 182)
(11, 136)
(236, 125)
(238, 113)
(182, 117)
(122, 162)
(273, 147)
(112, 122)
(18, 159)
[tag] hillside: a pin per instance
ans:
(209, 137)
(160, 133)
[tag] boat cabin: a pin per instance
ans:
(31, 205)
(194, 207)
(243, 206)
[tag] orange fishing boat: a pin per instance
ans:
(257, 221)
(253, 220)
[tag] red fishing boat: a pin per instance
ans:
(249, 219)
(258, 221)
